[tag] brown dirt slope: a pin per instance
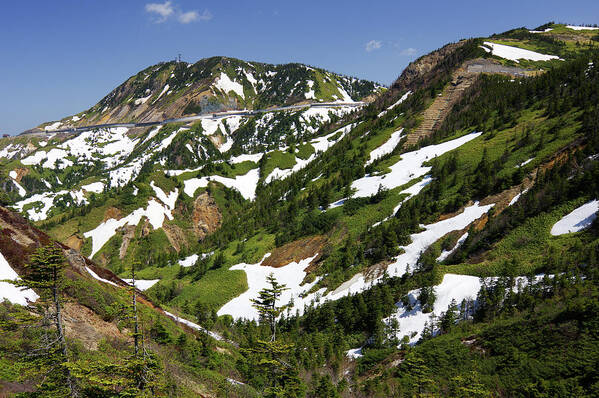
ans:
(296, 251)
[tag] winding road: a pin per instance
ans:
(215, 115)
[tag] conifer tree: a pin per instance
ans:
(267, 357)
(266, 304)
(45, 274)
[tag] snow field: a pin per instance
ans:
(386, 147)
(408, 168)
(577, 220)
(10, 292)
(154, 212)
(291, 275)
(245, 184)
(515, 53)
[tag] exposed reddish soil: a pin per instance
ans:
(296, 251)
(206, 216)
(74, 242)
(113, 212)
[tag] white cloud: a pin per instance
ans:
(373, 45)
(164, 11)
(187, 17)
(192, 16)
(408, 51)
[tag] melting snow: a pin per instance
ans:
(320, 144)
(189, 261)
(447, 253)
(96, 187)
(194, 326)
(354, 353)
(164, 90)
(10, 292)
(53, 126)
(155, 212)
(52, 156)
(515, 53)
(386, 148)
(225, 84)
(453, 287)
(577, 220)
(245, 184)
(169, 200)
(517, 197)
(242, 158)
(143, 284)
(22, 191)
(409, 167)
(525, 162)
(291, 275)
(402, 99)
(310, 93)
(574, 27)
(96, 276)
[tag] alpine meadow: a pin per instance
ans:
(233, 228)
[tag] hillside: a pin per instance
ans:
(176, 89)
(413, 233)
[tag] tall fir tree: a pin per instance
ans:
(45, 274)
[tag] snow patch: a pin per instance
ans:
(143, 284)
(155, 212)
(386, 148)
(447, 253)
(574, 27)
(224, 83)
(10, 292)
(245, 184)
(515, 53)
(408, 168)
(96, 276)
(194, 326)
(290, 275)
(579, 219)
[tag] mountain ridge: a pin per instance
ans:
(386, 229)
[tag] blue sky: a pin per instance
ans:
(60, 57)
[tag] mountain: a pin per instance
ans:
(175, 89)
(439, 239)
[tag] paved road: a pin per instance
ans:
(216, 115)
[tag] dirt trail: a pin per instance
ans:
(461, 80)
(434, 115)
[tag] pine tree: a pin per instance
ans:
(267, 357)
(266, 304)
(450, 317)
(45, 274)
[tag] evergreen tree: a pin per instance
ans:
(266, 304)
(266, 358)
(45, 274)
